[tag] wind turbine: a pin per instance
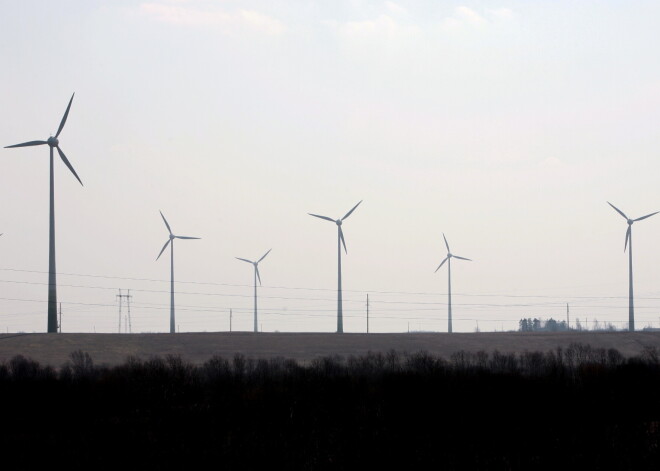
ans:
(171, 239)
(53, 143)
(628, 245)
(340, 241)
(256, 276)
(448, 260)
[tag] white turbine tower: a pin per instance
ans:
(53, 143)
(171, 240)
(448, 260)
(340, 241)
(628, 245)
(256, 276)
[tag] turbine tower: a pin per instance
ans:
(628, 245)
(340, 241)
(171, 240)
(53, 143)
(256, 276)
(448, 260)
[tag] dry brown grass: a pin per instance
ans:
(112, 349)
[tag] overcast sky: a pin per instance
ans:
(505, 125)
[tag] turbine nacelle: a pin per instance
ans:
(171, 237)
(54, 143)
(449, 255)
(630, 222)
(255, 264)
(338, 222)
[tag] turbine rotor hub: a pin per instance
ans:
(172, 236)
(53, 141)
(338, 221)
(449, 255)
(630, 222)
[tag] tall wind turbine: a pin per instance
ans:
(628, 245)
(448, 260)
(171, 240)
(340, 241)
(53, 143)
(256, 276)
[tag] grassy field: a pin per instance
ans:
(113, 349)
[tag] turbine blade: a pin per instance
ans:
(184, 237)
(264, 256)
(618, 210)
(443, 262)
(68, 164)
(66, 114)
(627, 237)
(647, 216)
(165, 220)
(446, 244)
(26, 144)
(164, 247)
(322, 217)
(462, 258)
(341, 236)
(349, 213)
(258, 276)
(245, 260)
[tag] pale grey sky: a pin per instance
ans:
(505, 125)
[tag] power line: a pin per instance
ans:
(318, 307)
(432, 303)
(360, 291)
(274, 312)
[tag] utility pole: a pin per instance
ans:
(568, 319)
(59, 324)
(367, 313)
(230, 316)
(120, 300)
(128, 303)
(127, 322)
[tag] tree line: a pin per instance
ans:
(575, 407)
(551, 325)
